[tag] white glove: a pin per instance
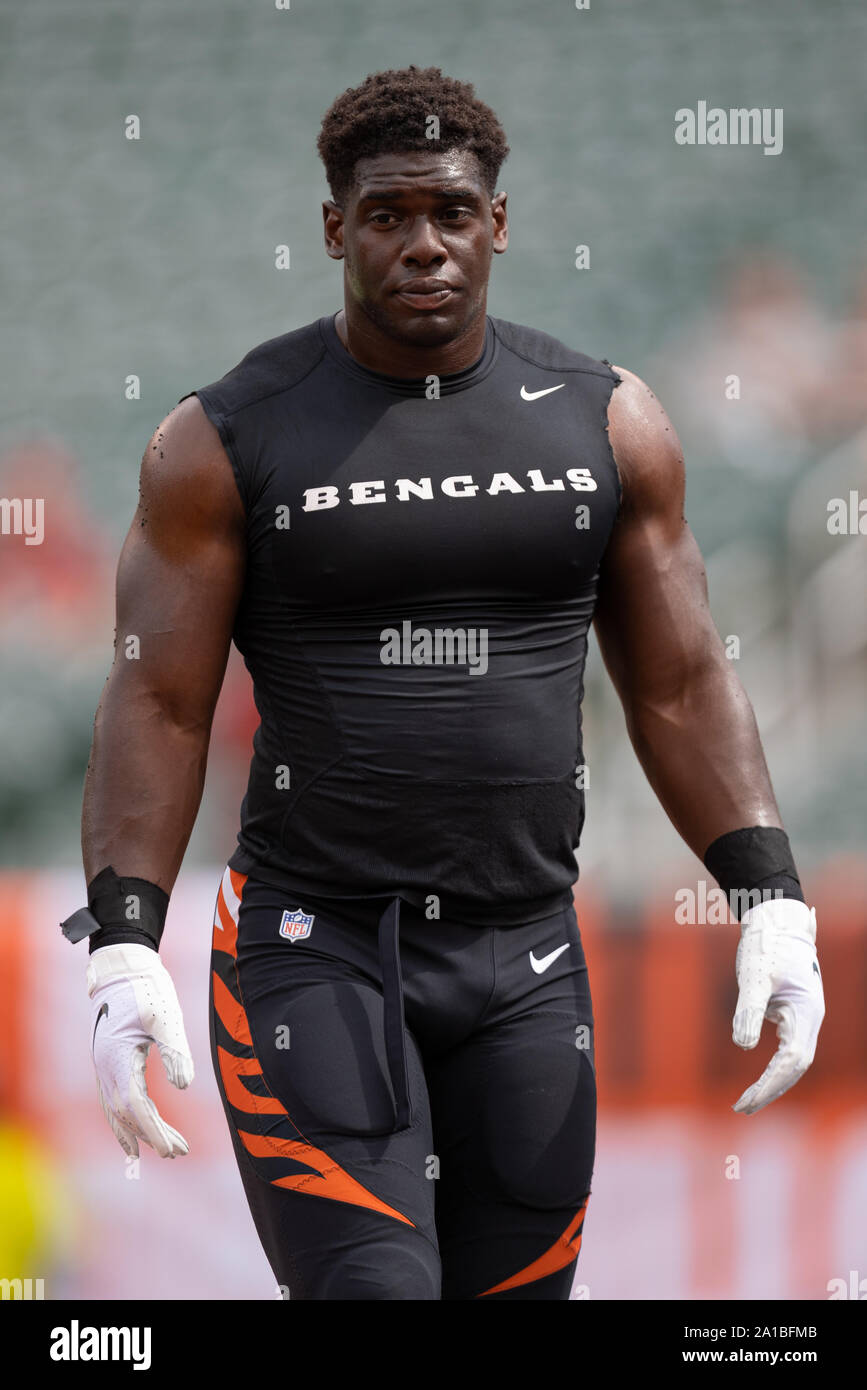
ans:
(778, 976)
(134, 1004)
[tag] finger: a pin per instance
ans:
(177, 1140)
(785, 1068)
(764, 1091)
(747, 1023)
(161, 1137)
(178, 1065)
(167, 1142)
(122, 1132)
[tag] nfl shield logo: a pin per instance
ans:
(296, 925)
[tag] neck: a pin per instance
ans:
(373, 348)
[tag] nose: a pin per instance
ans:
(423, 245)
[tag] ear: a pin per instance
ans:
(501, 224)
(333, 222)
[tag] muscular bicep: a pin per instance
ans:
(652, 618)
(181, 571)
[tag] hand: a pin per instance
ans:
(134, 1004)
(779, 979)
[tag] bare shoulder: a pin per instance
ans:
(186, 479)
(645, 445)
(182, 565)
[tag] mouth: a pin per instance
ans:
(428, 295)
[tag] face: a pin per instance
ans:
(423, 217)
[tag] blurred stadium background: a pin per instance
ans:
(156, 258)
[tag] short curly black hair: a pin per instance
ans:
(388, 114)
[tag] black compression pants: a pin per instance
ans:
(412, 1103)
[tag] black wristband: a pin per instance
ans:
(755, 859)
(119, 910)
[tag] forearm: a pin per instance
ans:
(143, 786)
(700, 749)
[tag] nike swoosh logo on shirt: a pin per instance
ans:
(534, 395)
(540, 966)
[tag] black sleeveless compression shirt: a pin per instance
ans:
(421, 576)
